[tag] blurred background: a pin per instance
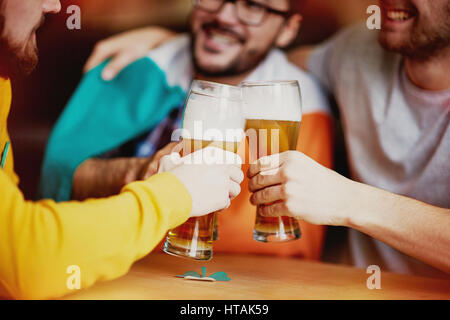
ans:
(39, 99)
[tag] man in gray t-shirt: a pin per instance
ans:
(397, 135)
(393, 92)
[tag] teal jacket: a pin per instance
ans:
(102, 116)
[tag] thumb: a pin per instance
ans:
(169, 162)
(117, 64)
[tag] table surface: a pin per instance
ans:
(259, 278)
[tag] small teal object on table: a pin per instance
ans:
(192, 275)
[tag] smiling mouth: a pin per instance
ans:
(399, 15)
(223, 36)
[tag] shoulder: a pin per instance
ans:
(352, 56)
(357, 37)
(170, 51)
(358, 46)
(174, 60)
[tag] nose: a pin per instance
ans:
(51, 6)
(228, 14)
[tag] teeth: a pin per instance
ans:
(222, 38)
(398, 15)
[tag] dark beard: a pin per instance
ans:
(13, 61)
(424, 43)
(233, 70)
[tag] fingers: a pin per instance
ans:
(275, 210)
(262, 180)
(120, 59)
(268, 195)
(266, 164)
(235, 189)
(164, 160)
(176, 147)
(168, 149)
(102, 51)
(149, 170)
(168, 162)
(117, 64)
(227, 205)
(133, 45)
(236, 174)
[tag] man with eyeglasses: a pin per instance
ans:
(127, 119)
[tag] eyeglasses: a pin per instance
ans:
(249, 12)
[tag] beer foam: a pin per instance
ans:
(213, 119)
(277, 102)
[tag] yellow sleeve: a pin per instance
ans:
(39, 241)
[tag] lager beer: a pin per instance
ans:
(194, 237)
(213, 118)
(275, 137)
(273, 112)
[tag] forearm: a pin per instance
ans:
(85, 181)
(413, 227)
(98, 178)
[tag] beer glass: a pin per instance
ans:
(216, 229)
(273, 112)
(213, 116)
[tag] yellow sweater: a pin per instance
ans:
(40, 241)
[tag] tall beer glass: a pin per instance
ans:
(213, 116)
(273, 111)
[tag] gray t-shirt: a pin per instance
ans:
(397, 135)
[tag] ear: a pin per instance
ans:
(289, 31)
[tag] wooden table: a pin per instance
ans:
(259, 277)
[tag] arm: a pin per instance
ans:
(97, 178)
(320, 196)
(39, 241)
(126, 48)
(413, 227)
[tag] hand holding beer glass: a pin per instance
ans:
(273, 112)
(213, 117)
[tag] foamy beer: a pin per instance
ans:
(274, 112)
(213, 117)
